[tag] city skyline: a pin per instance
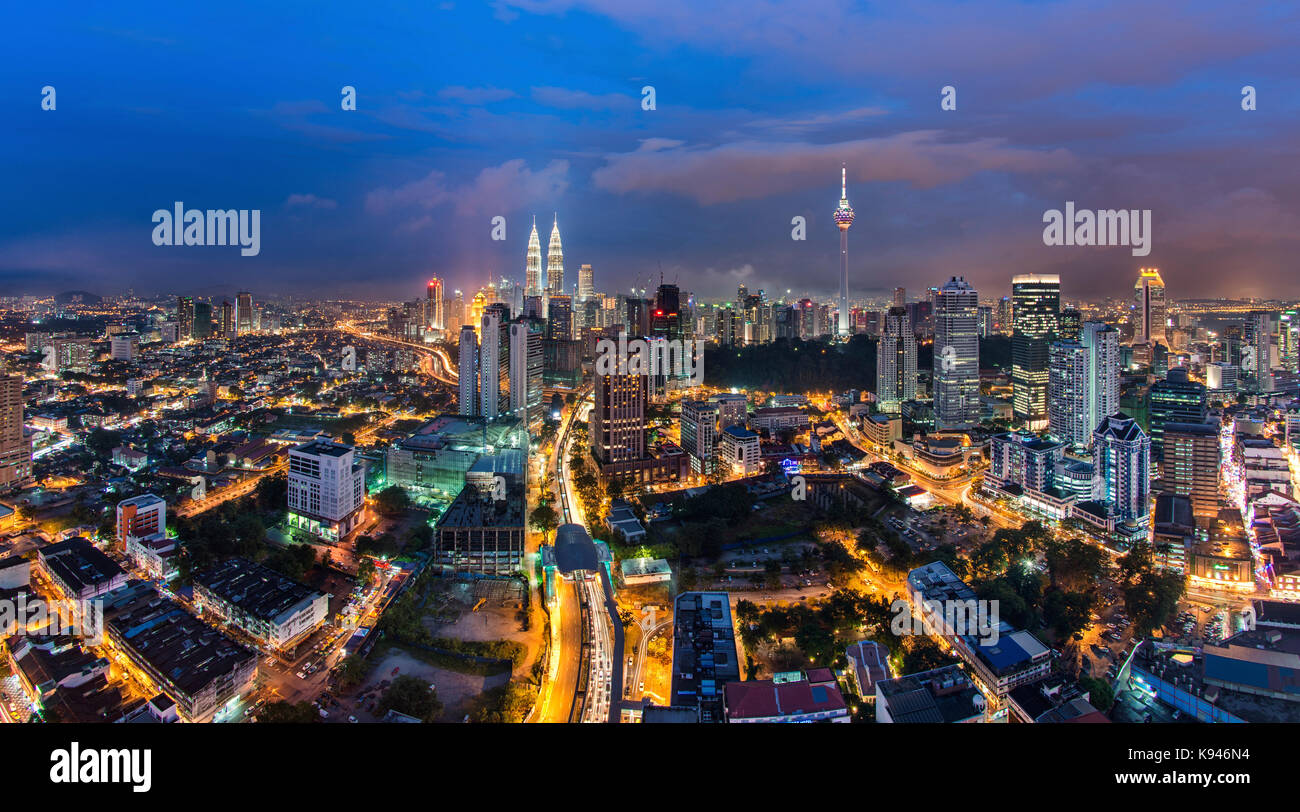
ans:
(741, 139)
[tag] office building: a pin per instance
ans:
(618, 419)
(1149, 318)
(244, 317)
(699, 433)
(526, 369)
(586, 286)
(1036, 299)
(435, 316)
(494, 362)
(184, 317)
(1176, 399)
(143, 516)
(1101, 347)
(956, 356)
(739, 451)
(896, 361)
(1190, 467)
(327, 490)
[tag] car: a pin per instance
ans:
(640, 686)
(302, 675)
(352, 719)
(324, 714)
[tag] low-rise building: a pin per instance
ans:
(267, 606)
(800, 697)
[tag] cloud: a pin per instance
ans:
(495, 190)
(568, 99)
(758, 169)
(475, 95)
(310, 201)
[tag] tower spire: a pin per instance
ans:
(844, 181)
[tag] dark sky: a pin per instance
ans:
(467, 111)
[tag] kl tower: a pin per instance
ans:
(844, 219)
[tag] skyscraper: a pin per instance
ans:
(15, 448)
(956, 356)
(202, 319)
(1036, 299)
(1259, 356)
(1149, 314)
(533, 264)
(243, 312)
(665, 321)
(1190, 467)
(227, 319)
(555, 261)
(494, 361)
(586, 283)
(896, 361)
(526, 368)
(1121, 465)
(559, 319)
(618, 419)
(1101, 344)
(184, 317)
(1176, 399)
(844, 219)
(1067, 402)
(434, 317)
(468, 367)
(900, 297)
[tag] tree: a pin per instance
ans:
(1100, 695)
(392, 501)
(282, 712)
(103, 441)
(614, 488)
(411, 696)
(544, 519)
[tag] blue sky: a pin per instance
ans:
(468, 111)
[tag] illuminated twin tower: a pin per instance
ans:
(844, 219)
(534, 285)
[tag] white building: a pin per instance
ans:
(327, 490)
(738, 451)
(468, 363)
(896, 361)
(124, 347)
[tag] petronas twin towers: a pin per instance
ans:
(553, 283)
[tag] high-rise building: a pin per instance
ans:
(665, 321)
(468, 370)
(1258, 357)
(1070, 322)
(555, 261)
(1149, 317)
(227, 319)
(956, 356)
(526, 368)
(843, 219)
(699, 433)
(1067, 401)
(15, 447)
(1101, 343)
(533, 264)
(1176, 399)
(244, 312)
(184, 317)
(143, 516)
(896, 361)
(586, 283)
(1036, 299)
(434, 316)
(327, 490)
(1121, 468)
(618, 419)
(1190, 467)
(900, 297)
(494, 361)
(559, 318)
(202, 320)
